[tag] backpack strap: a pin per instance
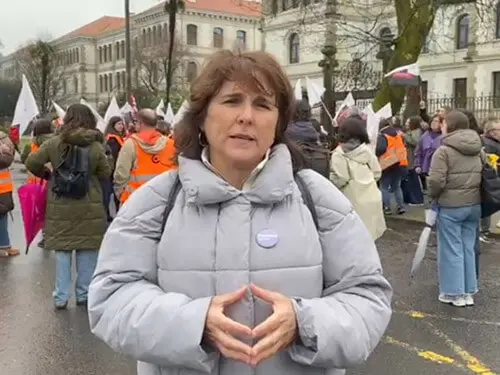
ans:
(176, 188)
(307, 197)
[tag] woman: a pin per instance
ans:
(115, 138)
(73, 224)
(213, 292)
(412, 191)
(42, 132)
(429, 143)
(7, 152)
(355, 170)
(454, 184)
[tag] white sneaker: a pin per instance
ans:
(457, 301)
(469, 300)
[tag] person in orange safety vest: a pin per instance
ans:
(7, 152)
(392, 154)
(143, 156)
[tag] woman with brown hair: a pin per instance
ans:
(239, 262)
(73, 223)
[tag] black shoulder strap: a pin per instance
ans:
(308, 200)
(176, 187)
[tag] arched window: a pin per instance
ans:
(105, 53)
(218, 37)
(155, 37)
(77, 55)
(462, 31)
(75, 84)
(106, 83)
(144, 38)
(149, 41)
(192, 35)
(191, 71)
(101, 84)
(160, 35)
(497, 21)
(100, 54)
(122, 48)
(241, 37)
(111, 88)
(294, 49)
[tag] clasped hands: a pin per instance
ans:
(275, 333)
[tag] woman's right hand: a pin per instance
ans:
(219, 329)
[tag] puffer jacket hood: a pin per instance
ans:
(302, 131)
(465, 141)
(80, 137)
(361, 153)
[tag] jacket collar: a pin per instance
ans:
(270, 183)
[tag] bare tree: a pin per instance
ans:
(44, 69)
(172, 7)
(155, 65)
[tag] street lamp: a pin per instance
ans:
(128, 54)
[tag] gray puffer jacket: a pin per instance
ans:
(151, 291)
(456, 170)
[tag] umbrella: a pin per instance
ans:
(430, 220)
(33, 200)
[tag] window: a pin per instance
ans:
(77, 55)
(496, 89)
(192, 35)
(64, 86)
(100, 54)
(155, 36)
(118, 82)
(111, 82)
(149, 40)
(144, 38)
(105, 83)
(110, 52)
(101, 84)
(462, 32)
(124, 81)
(294, 47)
(191, 71)
(122, 48)
(117, 51)
(497, 19)
(241, 37)
(460, 92)
(75, 84)
(105, 53)
(218, 37)
(424, 87)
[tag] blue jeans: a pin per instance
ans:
(390, 183)
(86, 261)
(4, 232)
(457, 231)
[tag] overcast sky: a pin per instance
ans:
(22, 20)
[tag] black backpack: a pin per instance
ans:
(317, 158)
(306, 195)
(71, 176)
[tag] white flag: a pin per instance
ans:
(169, 116)
(113, 110)
(60, 112)
(348, 102)
(314, 92)
(180, 113)
(298, 89)
(101, 124)
(26, 108)
(160, 108)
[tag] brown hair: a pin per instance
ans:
(456, 120)
(248, 69)
(353, 128)
(415, 122)
(78, 116)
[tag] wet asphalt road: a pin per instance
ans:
(440, 340)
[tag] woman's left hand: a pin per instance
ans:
(278, 331)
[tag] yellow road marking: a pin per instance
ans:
(426, 354)
(422, 315)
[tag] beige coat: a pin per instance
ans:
(355, 171)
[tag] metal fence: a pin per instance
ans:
(481, 106)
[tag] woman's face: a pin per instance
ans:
(435, 124)
(119, 126)
(240, 126)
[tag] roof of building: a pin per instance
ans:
(98, 27)
(250, 8)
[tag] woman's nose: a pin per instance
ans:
(246, 115)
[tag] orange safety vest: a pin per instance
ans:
(6, 183)
(119, 139)
(396, 146)
(32, 179)
(148, 166)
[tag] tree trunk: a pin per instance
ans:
(415, 19)
(172, 17)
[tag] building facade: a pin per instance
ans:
(93, 56)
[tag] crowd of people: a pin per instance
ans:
(219, 233)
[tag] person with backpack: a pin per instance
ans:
(220, 266)
(75, 219)
(143, 156)
(7, 152)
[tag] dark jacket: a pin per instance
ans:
(6, 159)
(491, 145)
(73, 224)
(302, 131)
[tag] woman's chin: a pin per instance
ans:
(245, 158)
